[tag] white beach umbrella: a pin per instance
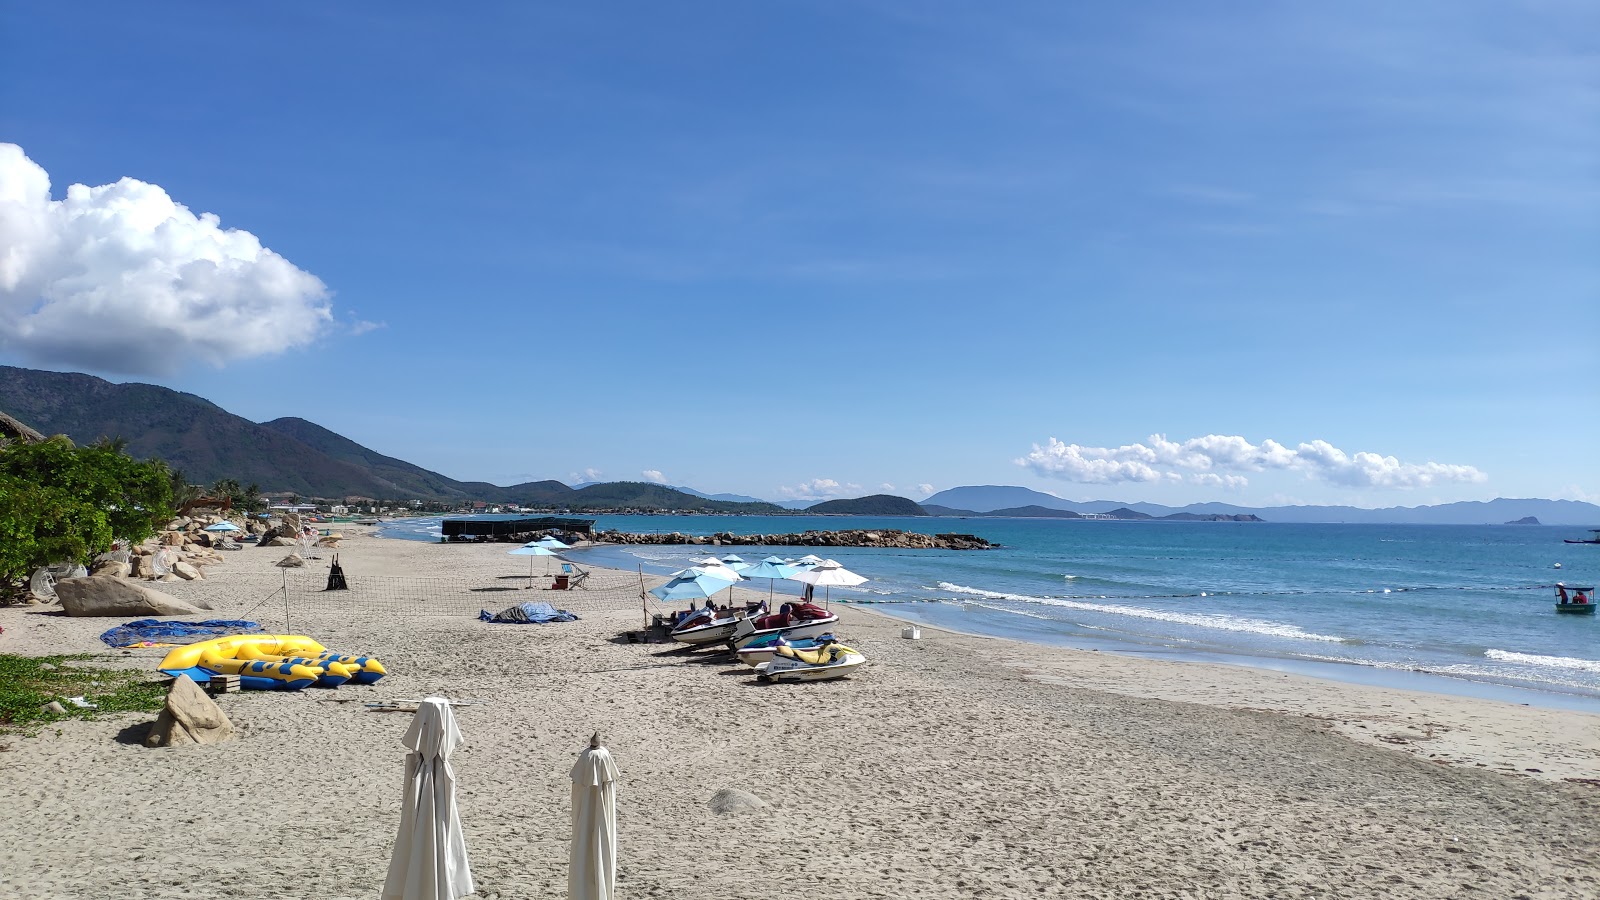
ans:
(592, 867)
(550, 542)
(827, 574)
(531, 550)
(430, 853)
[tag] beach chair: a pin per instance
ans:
(574, 575)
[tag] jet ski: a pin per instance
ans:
(825, 663)
(761, 649)
(792, 620)
(710, 626)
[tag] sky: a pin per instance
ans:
(1257, 253)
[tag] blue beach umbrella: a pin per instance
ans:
(693, 583)
(530, 551)
(772, 569)
(223, 526)
(734, 562)
(549, 542)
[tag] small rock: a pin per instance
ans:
(54, 707)
(731, 801)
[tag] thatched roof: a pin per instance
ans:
(13, 430)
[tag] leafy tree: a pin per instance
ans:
(60, 502)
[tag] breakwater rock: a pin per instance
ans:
(910, 540)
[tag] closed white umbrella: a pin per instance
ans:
(430, 854)
(592, 867)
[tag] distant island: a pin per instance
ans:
(871, 505)
(1525, 520)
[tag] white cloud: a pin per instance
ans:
(1214, 459)
(121, 278)
(654, 476)
(362, 326)
(1574, 492)
(586, 476)
(926, 489)
(818, 489)
(886, 486)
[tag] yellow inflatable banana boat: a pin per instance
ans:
(270, 662)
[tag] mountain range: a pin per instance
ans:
(989, 499)
(206, 443)
(292, 455)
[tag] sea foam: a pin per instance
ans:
(1198, 620)
(1554, 662)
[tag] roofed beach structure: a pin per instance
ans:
(512, 529)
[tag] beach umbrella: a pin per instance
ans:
(694, 583)
(772, 569)
(734, 562)
(430, 853)
(549, 542)
(223, 526)
(592, 866)
(807, 561)
(530, 551)
(828, 574)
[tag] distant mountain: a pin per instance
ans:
(988, 498)
(936, 510)
(645, 495)
(725, 498)
(1032, 512)
(1122, 512)
(871, 505)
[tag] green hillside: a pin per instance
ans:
(871, 505)
(207, 443)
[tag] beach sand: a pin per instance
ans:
(953, 766)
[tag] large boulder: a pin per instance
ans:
(185, 571)
(105, 595)
(190, 717)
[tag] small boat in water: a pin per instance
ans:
(1593, 540)
(1574, 599)
(825, 663)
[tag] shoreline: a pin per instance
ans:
(1418, 680)
(952, 766)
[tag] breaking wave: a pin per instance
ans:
(1198, 620)
(1554, 662)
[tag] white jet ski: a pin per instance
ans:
(825, 663)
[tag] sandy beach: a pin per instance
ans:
(953, 766)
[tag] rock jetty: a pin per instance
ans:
(910, 540)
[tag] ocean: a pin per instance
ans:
(1444, 608)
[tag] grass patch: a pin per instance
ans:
(27, 683)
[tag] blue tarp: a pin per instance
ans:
(155, 631)
(528, 613)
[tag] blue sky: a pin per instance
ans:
(813, 249)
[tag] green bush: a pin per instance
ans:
(60, 502)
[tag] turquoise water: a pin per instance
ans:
(1464, 609)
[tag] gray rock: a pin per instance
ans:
(733, 801)
(104, 595)
(185, 571)
(190, 717)
(292, 561)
